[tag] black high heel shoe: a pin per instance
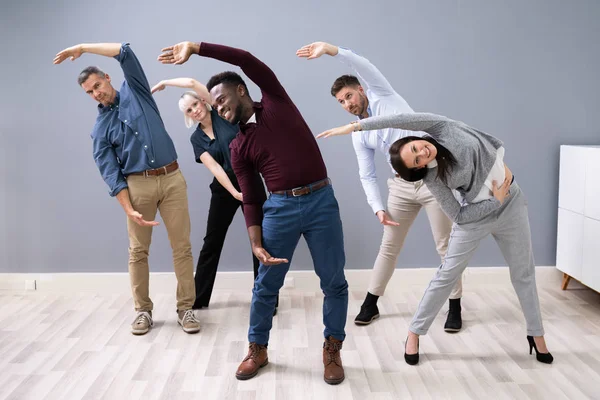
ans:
(545, 358)
(411, 359)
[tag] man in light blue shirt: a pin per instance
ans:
(405, 199)
(137, 160)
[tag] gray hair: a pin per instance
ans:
(85, 74)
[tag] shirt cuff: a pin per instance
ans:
(115, 191)
(377, 207)
(124, 48)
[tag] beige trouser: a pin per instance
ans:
(168, 194)
(404, 203)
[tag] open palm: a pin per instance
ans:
(176, 54)
(313, 50)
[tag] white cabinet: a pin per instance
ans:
(592, 184)
(569, 243)
(578, 236)
(590, 266)
(572, 179)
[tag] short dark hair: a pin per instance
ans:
(85, 74)
(227, 77)
(342, 82)
(445, 159)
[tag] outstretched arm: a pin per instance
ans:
(430, 123)
(132, 69)
(367, 72)
(74, 52)
(188, 83)
(255, 69)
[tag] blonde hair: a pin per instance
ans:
(189, 122)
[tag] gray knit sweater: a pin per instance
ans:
(475, 153)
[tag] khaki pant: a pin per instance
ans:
(167, 194)
(404, 203)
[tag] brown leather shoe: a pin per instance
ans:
(257, 358)
(332, 361)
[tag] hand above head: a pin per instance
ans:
(316, 50)
(385, 219)
(265, 258)
(73, 53)
(158, 87)
(178, 53)
(341, 130)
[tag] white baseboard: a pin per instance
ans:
(165, 282)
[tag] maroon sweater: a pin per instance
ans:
(279, 145)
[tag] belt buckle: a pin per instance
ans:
(294, 191)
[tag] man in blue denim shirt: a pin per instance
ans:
(137, 160)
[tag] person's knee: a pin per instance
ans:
(182, 249)
(266, 285)
(138, 254)
(336, 289)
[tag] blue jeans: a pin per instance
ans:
(316, 216)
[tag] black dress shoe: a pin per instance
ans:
(454, 320)
(367, 314)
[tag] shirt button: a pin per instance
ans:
(136, 133)
(145, 146)
(151, 160)
(125, 121)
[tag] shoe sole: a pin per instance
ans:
(252, 375)
(452, 330)
(374, 317)
(140, 332)
(335, 381)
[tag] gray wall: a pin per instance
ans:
(525, 71)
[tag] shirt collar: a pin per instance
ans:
(432, 164)
(103, 109)
(369, 113)
(252, 120)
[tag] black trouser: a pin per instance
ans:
(223, 207)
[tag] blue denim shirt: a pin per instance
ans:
(129, 136)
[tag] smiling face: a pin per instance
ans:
(418, 153)
(100, 89)
(353, 100)
(227, 100)
(193, 108)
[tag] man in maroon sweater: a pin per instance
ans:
(275, 140)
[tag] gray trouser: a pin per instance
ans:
(509, 225)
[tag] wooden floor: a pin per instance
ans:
(78, 346)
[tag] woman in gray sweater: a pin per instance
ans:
(465, 171)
